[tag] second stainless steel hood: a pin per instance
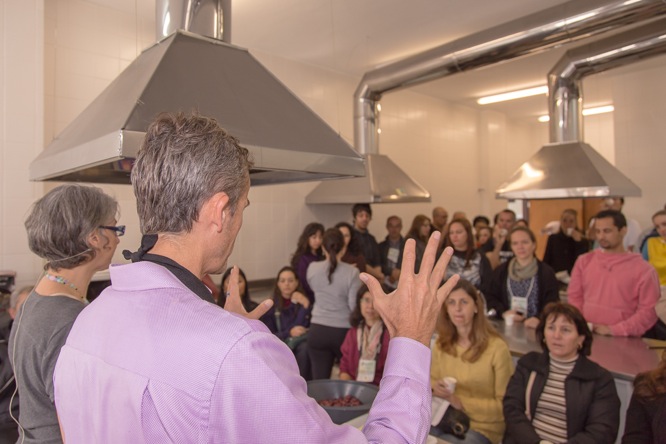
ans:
(186, 72)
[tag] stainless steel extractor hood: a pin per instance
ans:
(568, 167)
(549, 28)
(384, 182)
(184, 72)
(566, 170)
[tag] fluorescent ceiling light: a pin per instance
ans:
(587, 112)
(513, 95)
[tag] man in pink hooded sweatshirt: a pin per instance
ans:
(615, 290)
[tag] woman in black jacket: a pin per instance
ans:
(524, 285)
(560, 395)
(646, 415)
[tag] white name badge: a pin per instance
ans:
(393, 254)
(366, 370)
(519, 304)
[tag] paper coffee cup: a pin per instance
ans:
(503, 232)
(590, 326)
(570, 231)
(450, 383)
(508, 319)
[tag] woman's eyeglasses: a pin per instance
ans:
(120, 229)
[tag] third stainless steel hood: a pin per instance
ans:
(186, 72)
(568, 167)
(566, 170)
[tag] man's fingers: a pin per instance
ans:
(261, 310)
(430, 254)
(445, 289)
(408, 259)
(440, 267)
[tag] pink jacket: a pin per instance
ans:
(615, 289)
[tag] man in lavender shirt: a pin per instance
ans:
(152, 360)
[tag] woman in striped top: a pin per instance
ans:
(560, 395)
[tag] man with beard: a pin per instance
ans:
(615, 290)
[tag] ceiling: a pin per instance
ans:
(356, 36)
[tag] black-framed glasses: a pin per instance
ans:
(120, 229)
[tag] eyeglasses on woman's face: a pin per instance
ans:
(119, 229)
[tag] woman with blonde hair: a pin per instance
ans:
(471, 351)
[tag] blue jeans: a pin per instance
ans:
(471, 437)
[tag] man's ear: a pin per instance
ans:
(217, 211)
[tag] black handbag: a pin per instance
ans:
(454, 422)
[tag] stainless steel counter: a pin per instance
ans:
(623, 357)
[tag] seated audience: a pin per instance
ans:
(471, 351)
(560, 395)
(466, 261)
(248, 303)
(289, 317)
(390, 251)
(564, 247)
(335, 285)
(497, 249)
(351, 250)
(420, 232)
(615, 290)
(365, 347)
(524, 285)
(483, 235)
(646, 416)
(308, 250)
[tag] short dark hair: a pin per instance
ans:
(618, 218)
(480, 219)
(361, 207)
(507, 210)
(572, 314)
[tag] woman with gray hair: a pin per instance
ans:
(73, 227)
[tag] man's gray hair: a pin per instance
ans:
(60, 222)
(183, 162)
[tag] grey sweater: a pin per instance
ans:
(334, 301)
(38, 333)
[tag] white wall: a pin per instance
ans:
(458, 153)
(21, 128)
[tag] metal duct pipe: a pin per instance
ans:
(565, 100)
(210, 18)
(537, 32)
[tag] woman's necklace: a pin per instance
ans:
(63, 281)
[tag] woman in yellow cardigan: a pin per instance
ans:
(471, 351)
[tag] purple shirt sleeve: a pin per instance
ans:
(272, 400)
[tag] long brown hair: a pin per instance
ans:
(303, 245)
(652, 384)
(469, 253)
(333, 244)
(278, 300)
(481, 332)
(415, 231)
